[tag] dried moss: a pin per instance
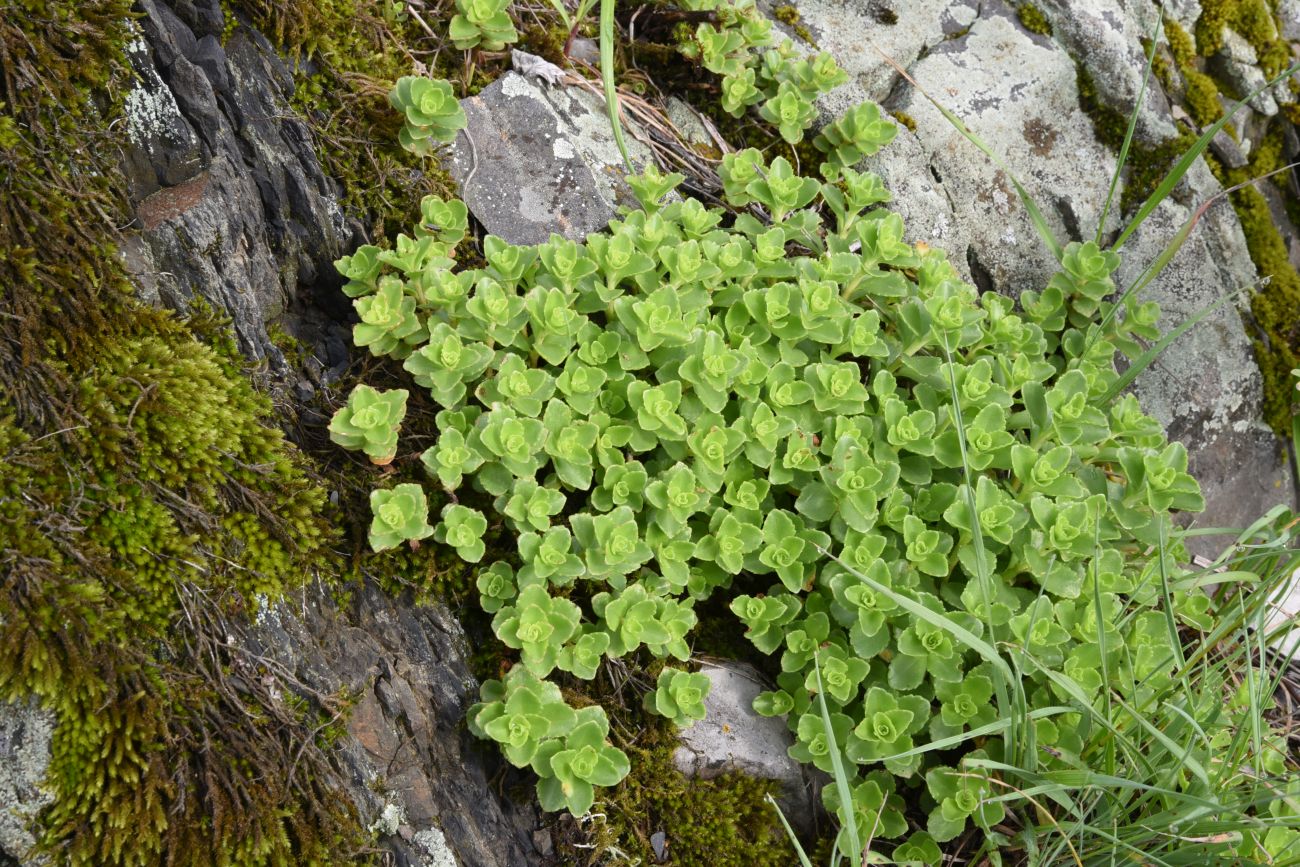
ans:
(789, 16)
(905, 119)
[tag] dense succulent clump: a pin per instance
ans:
(756, 71)
(882, 470)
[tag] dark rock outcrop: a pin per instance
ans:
(231, 203)
(418, 776)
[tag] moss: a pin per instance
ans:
(789, 16)
(905, 119)
(1033, 19)
(147, 501)
(347, 54)
(725, 821)
(1273, 307)
(1202, 97)
(1252, 19)
(1147, 165)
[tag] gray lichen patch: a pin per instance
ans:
(25, 733)
(536, 159)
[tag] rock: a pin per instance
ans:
(1206, 388)
(1237, 65)
(411, 762)
(1017, 92)
(1288, 15)
(688, 123)
(733, 737)
(1228, 151)
(861, 34)
(537, 159)
(25, 732)
(921, 199)
(1106, 37)
(1185, 12)
(231, 203)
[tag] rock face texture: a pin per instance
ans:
(539, 158)
(24, 756)
(417, 774)
(231, 203)
(1019, 92)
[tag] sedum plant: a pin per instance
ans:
(758, 73)
(433, 114)
(923, 489)
(482, 24)
(370, 422)
(568, 749)
(679, 696)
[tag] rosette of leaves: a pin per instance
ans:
(431, 110)
(482, 24)
(568, 749)
(679, 696)
(874, 464)
(370, 422)
(399, 515)
(859, 133)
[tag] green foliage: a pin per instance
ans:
(483, 24)
(568, 750)
(740, 411)
(679, 696)
(430, 109)
(759, 73)
(370, 422)
(861, 132)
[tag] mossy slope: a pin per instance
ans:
(147, 502)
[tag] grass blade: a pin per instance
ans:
(1190, 156)
(1145, 359)
(837, 764)
(1132, 121)
(607, 78)
(794, 840)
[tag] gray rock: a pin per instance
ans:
(1105, 35)
(1237, 65)
(1185, 12)
(733, 737)
(1288, 15)
(688, 122)
(1017, 92)
(1229, 151)
(920, 198)
(231, 203)
(417, 776)
(861, 34)
(1206, 388)
(25, 732)
(536, 160)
